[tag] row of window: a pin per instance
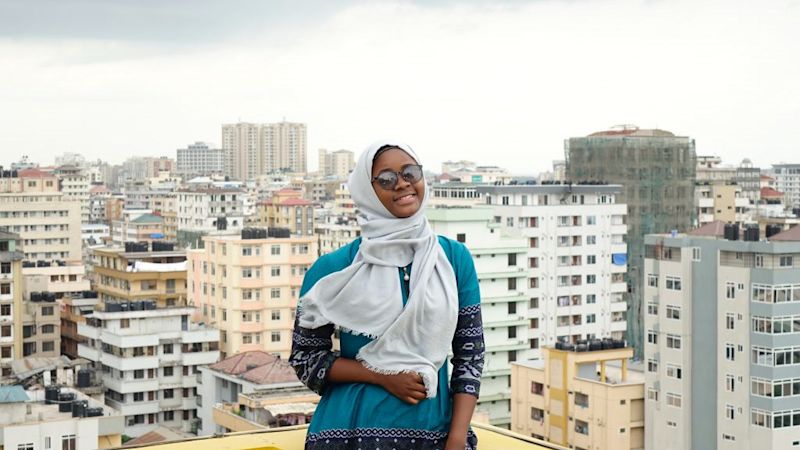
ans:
(775, 388)
(776, 325)
(769, 357)
(764, 293)
(778, 419)
(670, 282)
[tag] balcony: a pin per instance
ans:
(199, 358)
(128, 386)
(90, 353)
(128, 363)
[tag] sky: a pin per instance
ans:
(496, 82)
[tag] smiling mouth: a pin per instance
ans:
(405, 196)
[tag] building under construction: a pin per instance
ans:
(657, 171)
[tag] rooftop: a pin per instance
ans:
(633, 131)
(296, 202)
(792, 234)
(715, 228)
(257, 367)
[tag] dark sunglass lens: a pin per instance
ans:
(412, 174)
(387, 180)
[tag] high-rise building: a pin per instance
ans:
(575, 261)
(10, 301)
(337, 164)
(748, 177)
(142, 340)
(787, 180)
(200, 159)
(253, 149)
(75, 184)
(656, 170)
(723, 339)
(49, 225)
(247, 286)
(500, 263)
(204, 210)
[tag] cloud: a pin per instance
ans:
(502, 84)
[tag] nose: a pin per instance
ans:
(401, 183)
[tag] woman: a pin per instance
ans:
(401, 297)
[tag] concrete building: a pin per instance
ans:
(286, 209)
(200, 159)
(657, 171)
(500, 262)
(248, 288)
(455, 193)
(250, 391)
(30, 422)
(720, 201)
(787, 180)
(320, 190)
(48, 224)
(337, 164)
(575, 261)
(585, 399)
(10, 301)
(723, 340)
(256, 149)
(200, 209)
(138, 226)
(710, 169)
(98, 196)
(75, 184)
(140, 337)
(74, 309)
(748, 177)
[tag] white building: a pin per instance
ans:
(29, 422)
(576, 258)
(255, 149)
(149, 358)
(500, 262)
(455, 193)
(74, 183)
(199, 209)
(251, 372)
(787, 180)
(200, 159)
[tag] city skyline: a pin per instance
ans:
(440, 68)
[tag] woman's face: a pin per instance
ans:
(406, 198)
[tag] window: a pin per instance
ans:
(169, 371)
(512, 355)
(730, 290)
(591, 259)
(591, 240)
(673, 283)
(581, 427)
(512, 284)
(512, 332)
(730, 321)
(673, 400)
(138, 396)
(275, 250)
(537, 414)
(652, 365)
(652, 308)
(48, 346)
(167, 349)
(591, 299)
(5, 310)
(124, 323)
(68, 442)
(276, 314)
(674, 371)
(581, 400)
(786, 261)
(695, 254)
(461, 237)
(169, 393)
(730, 383)
(673, 341)
(512, 308)
(652, 337)
(512, 259)
(275, 271)
(760, 418)
(27, 446)
(537, 388)
(673, 312)
(730, 352)
(169, 416)
(729, 412)
(591, 279)
(652, 394)
(5, 288)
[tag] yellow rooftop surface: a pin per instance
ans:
(293, 438)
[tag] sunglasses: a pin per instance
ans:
(388, 179)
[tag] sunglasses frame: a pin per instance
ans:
(398, 175)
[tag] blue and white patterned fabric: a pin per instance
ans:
(365, 416)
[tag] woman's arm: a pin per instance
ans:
(408, 387)
(465, 382)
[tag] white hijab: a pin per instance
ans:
(365, 298)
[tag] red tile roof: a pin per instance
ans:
(295, 202)
(34, 173)
(769, 192)
(715, 228)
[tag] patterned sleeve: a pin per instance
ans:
(468, 345)
(312, 355)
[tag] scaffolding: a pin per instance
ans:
(657, 171)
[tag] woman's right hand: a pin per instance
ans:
(406, 386)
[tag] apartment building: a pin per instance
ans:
(31, 205)
(720, 201)
(723, 342)
(200, 209)
(337, 164)
(10, 301)
(255, 149)
(74, 309)
(98, 196)
(200, 159)
(583, 396)
(247, 286)
(140, 337)
(137, 226)
(500, 262)
(575, 262)
(787, 180)
(75, 184)
(71, 421)
(251, 390)
(286, 209)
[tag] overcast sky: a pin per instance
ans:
(496, 82)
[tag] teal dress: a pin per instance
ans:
(366, 416)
